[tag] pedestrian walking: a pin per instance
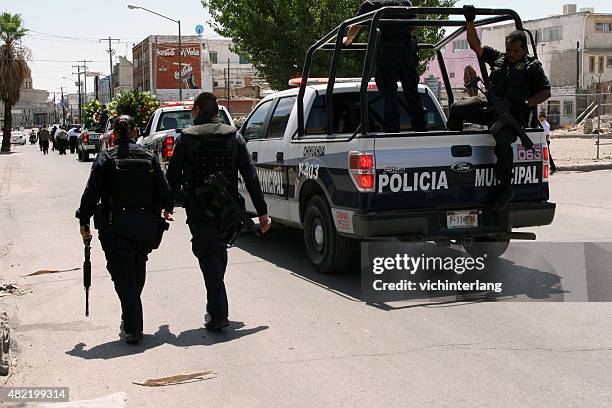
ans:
(61, 139)
(210, 144)
(73, 138)
(43, 140)
(132, 190)
(546, 127)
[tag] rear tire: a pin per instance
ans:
(328, 252)
(489, 248)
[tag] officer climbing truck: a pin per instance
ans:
(326, 166)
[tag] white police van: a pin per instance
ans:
(342, 183)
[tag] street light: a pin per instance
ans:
(180, 49)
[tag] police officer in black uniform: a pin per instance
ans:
(515, 76)
(133, 191)
(207, 148)
(397, 61)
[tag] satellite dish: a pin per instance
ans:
(199, 29)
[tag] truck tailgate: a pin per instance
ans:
(450, 170)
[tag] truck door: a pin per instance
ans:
(253, 131)
(271, 163)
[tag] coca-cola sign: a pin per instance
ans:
(185, 52)
(167, 67)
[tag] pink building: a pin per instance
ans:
(457, 55)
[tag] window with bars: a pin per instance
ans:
(568, 107)
(460, 45)
(609, 63)
(600, 66)
(552, 34)
(244, 59)
(604, 27)
(214, 56)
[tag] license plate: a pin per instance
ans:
(90, 146)
(462, 219)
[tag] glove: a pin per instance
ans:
(470, 13)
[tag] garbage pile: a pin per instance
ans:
(589, 126)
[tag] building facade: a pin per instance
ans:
(575, 49)
(33, 109)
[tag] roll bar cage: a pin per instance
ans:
(333, 42)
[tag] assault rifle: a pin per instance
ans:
(501, 106)
(220, 199)
(87, 273)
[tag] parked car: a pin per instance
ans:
(17, 137)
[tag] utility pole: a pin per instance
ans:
(84, 73)
(54, 108)
(78, 73)
(228, 85)
(63, 107)
(110, 57)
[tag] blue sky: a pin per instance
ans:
(84, 22)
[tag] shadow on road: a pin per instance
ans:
(284, 247)
(188, 338)
(519, 281)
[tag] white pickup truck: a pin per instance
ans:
(164, 125)
(343, 184)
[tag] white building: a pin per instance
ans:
(241, 72)
(575, 49)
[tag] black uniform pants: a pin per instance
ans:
(73, 144)
(213, 261)
(44, 145)
(397, 63)
(472, 110)
(126, 262)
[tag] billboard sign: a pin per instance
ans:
(168, 69)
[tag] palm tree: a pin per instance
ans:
(13, 68)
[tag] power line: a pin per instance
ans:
(70, 61)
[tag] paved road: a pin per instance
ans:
(297, 338)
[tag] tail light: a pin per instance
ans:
(112, 140)
(168, 147)
(363, 171)
(546, 161)
(85, 137)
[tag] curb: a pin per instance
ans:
(586, 167)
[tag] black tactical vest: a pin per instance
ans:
(132, 177)
(210, 149)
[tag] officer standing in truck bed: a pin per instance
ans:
(397, 61)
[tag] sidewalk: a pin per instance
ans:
(579, 153)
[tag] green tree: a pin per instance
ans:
(276, 34)
(13, 68)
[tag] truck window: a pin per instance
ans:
(223, 117)
(280, 117)
(181, 119)
(174, 120)
(254, 126)
(147, 130)
(347, 116)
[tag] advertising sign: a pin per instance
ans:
(168, 69)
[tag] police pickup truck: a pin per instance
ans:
(432, 186)
(164, 127)
(326, 167)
